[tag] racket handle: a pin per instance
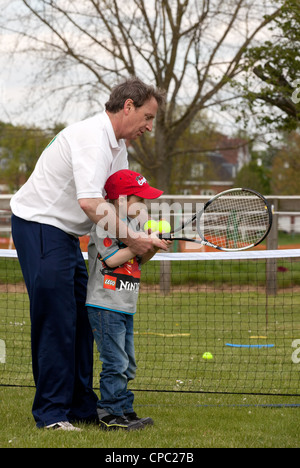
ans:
(166, 236)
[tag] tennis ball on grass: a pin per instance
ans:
(207, 356)
(164, 226)
(151, 225)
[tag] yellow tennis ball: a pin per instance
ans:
(151, 225)
(207, 356)
(164, 226)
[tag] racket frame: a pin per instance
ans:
(197, 217)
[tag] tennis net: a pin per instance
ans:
(206, 322)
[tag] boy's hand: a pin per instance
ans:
(165, 241)
(140, 243)
(165, 244)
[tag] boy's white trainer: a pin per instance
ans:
(63, 426)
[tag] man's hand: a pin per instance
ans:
(140, 243)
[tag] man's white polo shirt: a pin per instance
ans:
(75, 165)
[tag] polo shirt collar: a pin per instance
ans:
(111, 134)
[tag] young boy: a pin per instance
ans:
(111, 300)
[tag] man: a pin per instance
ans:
(61, 200)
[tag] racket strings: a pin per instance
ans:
(235, 220)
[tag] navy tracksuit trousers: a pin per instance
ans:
(61, 338)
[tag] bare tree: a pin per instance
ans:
(191, 48)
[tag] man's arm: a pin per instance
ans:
(99, 211)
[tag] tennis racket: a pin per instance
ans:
(235, 220)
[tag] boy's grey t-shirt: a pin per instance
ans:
(114, 289)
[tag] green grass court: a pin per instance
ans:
(181, 421)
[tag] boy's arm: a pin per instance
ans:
(147, 256)
(120, 257)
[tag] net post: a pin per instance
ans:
(165, 277)
(271, 263)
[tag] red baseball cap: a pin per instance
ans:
(127, 182)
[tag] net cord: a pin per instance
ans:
(250, 255)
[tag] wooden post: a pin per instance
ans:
(165, 277)
(271, 263)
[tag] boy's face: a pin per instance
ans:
(131, 206)
(134, 206)
(139, 119)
